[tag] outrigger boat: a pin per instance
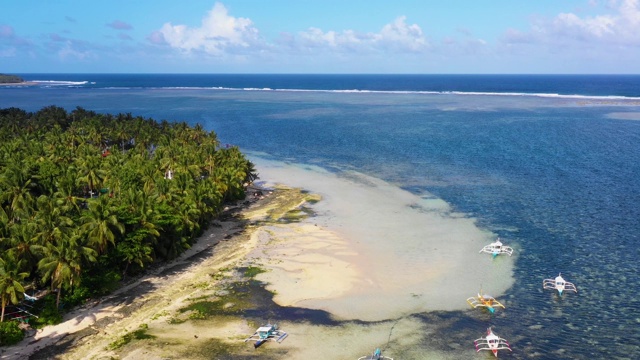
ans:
(559, 284)
(377, 355)
(492, 342)
(496, 248)
(484, 300)
(266, 333)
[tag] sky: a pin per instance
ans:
(329, 36)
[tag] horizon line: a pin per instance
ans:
(311, 73)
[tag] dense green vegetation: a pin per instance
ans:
(10, 333)
(10, 79)
(86, 198)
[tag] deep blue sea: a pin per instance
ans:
(549, 162)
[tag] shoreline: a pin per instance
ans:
(88, 320)
(312, 275)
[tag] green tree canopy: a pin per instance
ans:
(81, 192)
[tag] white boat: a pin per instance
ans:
(266, 333)
(492, 342)
(559, 283)
(496, 248)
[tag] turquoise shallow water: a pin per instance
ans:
(555, 176)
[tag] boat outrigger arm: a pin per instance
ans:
(496, 248)
(559, 283)
(266, 333)
(484, 300)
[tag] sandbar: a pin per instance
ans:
(373, 251)
(24, 83)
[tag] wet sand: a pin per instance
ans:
(376, 252)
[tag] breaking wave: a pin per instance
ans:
(59, 83)
(462, 93)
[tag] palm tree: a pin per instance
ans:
(189, 214)
(209, 163)
(207, 198)
(66, 196)
(11, 277)
(21, 242)
(150, 173)
(122, 130)
(50, 116)
(99, 223)
(168, 156)
(95, 135)
(14, 119)
(166, 191)
(51, 222)
(4, 226)
(60, 152)
(62, 262)
(89, 168)
(48, 172)
(138, 214)
(15, 186)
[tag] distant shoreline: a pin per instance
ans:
(24, 83)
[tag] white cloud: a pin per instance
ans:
(606, 41)
(218, 34)
(619, 27)
(400, 36)
(334, 41)
(71, 52)
(568, 24)
(396, 36)
(68, 49)
(221, 34)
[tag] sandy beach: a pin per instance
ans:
(24, 83)
(160, 291)
(354, 256)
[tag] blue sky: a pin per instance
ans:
(330, 36)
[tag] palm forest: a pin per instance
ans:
(87, 199)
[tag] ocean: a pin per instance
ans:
(549, 163)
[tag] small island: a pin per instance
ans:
(10, 79)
